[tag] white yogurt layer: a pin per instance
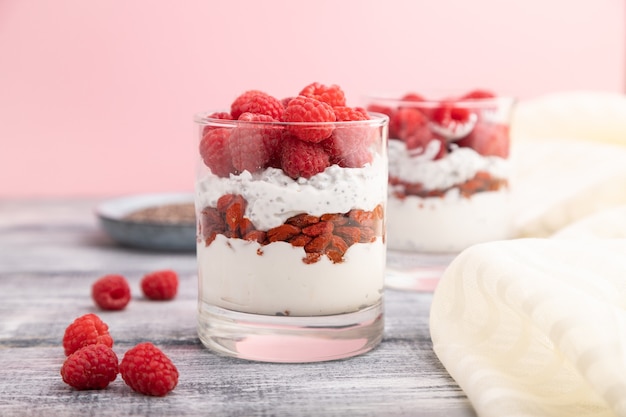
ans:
(460, 165)
(273, 197)
(233, 275)
(450, 223)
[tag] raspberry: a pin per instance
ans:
(222, 115)
(355, 159)
(147, 370)
(412, 97)
(303, 159)
(247, 144)
(449, 113)
(488, 140)
(378, 108)
(215, 151)
(305, 109)
(411, 126)
(477, 95)
(332, 95)
(216, 115)
(160, 285)
(349, 146)
(272, 136)
(363, 111)
(86, 330)
(90, 367)
(256, 117)
(255, 101)
(285, 101)
(345, 114)
(111, 292)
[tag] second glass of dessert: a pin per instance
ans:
(449, 172)
(291, 198)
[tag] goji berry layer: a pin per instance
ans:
(329, 235)
(482, 181)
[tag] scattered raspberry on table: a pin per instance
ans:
(111, 292)
(86, 330)
(147, 370)
(90, 367)
(160, 285)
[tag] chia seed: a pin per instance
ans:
(167, 214)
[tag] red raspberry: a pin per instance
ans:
(477, 95)
(160, 285)
(111, 292)
(272, 136)
(305, 109)
(346, 114)
(488, 140)
(215, 151)
(255, 101)
(363, 111)
(411, 126)
(217, 115)
(285, 101)
(86, 330)
(303, 159)
(221, 115)
(412, 97)
(90, 367)
(332, 95)
(355, 159)
(349, 144)
(247, 143)
(147, 370)
(378, 108)
(449, 113)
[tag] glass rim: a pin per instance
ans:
(476, 103)
(376, 119)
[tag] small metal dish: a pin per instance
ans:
(152, 234)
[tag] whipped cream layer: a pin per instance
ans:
(460, 165)
(273, 197)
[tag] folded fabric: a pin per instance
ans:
(609, 223)
(558, 181)
(536, 327)
(595, 116)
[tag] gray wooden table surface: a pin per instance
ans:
(51, 251)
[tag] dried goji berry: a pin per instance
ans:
(302, 220)
(350, 234)
(318, 244)
(318, 229)
(284, 232)
(300, 240)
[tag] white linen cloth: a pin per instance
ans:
(536, 326)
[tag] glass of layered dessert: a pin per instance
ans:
(290, 202)
(449, 172)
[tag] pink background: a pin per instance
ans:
(97, 96)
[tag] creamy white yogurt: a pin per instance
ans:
(450, 223)
(244, 276)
